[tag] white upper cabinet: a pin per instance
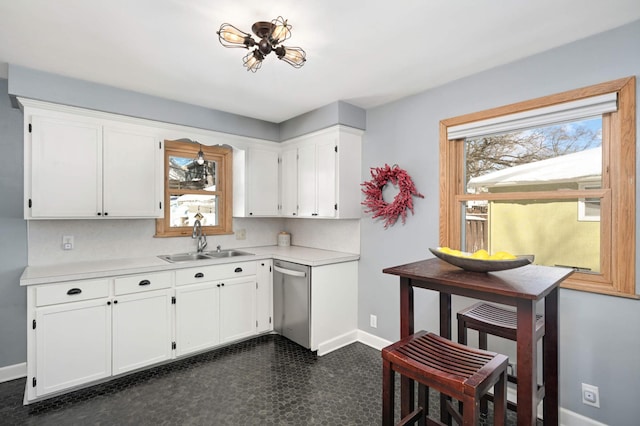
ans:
(255, 175)
(83, 167)
(289, 182)
(328, 174)
(66, 169)
(132, 172)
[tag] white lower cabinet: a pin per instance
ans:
(264, 302)
(197, 317)
(237, 308)
(73, 345)
(141, 330)
(88, 330)
(215, 305)
(334, 306)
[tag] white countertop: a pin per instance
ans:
(104, 268)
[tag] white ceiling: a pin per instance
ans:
(365, 52)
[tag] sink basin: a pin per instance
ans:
(184, 257)
(227, 253)
(209, 255)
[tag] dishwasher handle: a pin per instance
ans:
(290, 272)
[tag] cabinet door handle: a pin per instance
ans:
(74, 291)
(106, 214)
(144, 282)
(109, 303)
(238, 269)
(115, 302)
(199, 275)
(99, 214)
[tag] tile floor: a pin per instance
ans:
(264, 381)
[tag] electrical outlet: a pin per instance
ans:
(67, 242)
(590, 395)
(241, 234)
(373, 321)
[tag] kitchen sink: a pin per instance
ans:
(227, 253)
(210, 255)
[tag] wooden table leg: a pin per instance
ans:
(550, 359)
(445, 331)
(406, 328)
(527, 362)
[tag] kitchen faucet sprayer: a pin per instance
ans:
(197, 233)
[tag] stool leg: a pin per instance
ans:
(388, 390)
(423, 402)
(462, 339)
(471, 414)
(482, 340)
(462, 331)
(500, 401)
(483, 344)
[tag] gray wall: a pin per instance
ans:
(599, 340)
(335, 113)
(35, 84)
(13, 236)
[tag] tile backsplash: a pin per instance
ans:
(122, 238)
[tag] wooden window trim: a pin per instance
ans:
(223, 157)
(618, 236)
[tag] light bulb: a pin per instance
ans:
(281, 30)
(231, 36)
(253, 61)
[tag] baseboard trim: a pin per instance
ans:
(372, 340)
(569, 418)
(337, 342)
(12, 372)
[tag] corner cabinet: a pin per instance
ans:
(325, 176)
(79, 166)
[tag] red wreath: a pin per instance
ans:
(403, 200)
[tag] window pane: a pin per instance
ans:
(186, 208)
(186, 173)
(543, 159)
(549, 229)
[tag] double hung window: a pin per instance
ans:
(196, 189)
(553, 177)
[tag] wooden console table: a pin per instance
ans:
(520, 287)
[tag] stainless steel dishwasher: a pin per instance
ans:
(292, 301)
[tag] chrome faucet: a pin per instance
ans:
(197, 233)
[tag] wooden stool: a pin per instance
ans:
(455, 370)
(490, 319)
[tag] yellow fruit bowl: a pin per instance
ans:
(482, 265)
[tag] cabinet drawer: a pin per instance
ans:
(72, 291)
(142, 282)
(215, 272)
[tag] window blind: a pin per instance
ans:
(540, 117)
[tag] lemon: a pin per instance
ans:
(480, 254)
(503, 255)
(452, 252)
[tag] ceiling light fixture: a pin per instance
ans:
(271, 35)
